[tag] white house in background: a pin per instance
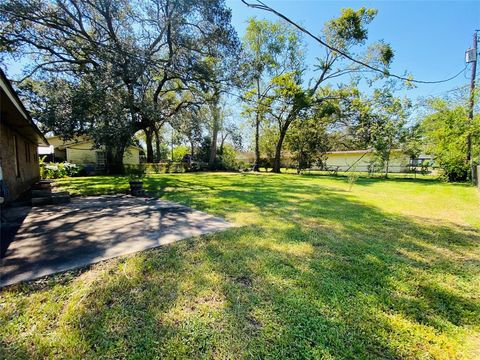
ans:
(81, 151)
(360, 160)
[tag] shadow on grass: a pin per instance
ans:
(323, 276)
(366, 180)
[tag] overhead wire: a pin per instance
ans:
(262, 6)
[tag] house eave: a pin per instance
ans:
(24, 121)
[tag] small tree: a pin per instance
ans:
(388, 119)
(271, 48)
(308, 140)
(289, 98)
(445, 130)
(352, 178)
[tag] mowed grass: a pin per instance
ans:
(388, 270)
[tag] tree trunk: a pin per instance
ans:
(114, 160)
(108, 159)
(192, 148)
(117, 167)
(213, 145)
(157, 145)
(222, 142)
(257, 130)
(149, 140)
(386, 166)
(278, 149)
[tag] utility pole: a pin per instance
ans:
(472, 58)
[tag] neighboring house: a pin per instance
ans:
(81, 151)
(360, 160)
(19, 140)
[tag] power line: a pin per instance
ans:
(262, 6)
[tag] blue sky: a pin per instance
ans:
(429, 37)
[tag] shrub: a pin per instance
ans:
(135, 172)
(265, 163)
(52, 170)
(374, 166)
(454, 168)
(228, 160)
(445, 132)
(179, 152)
(425, 167)
(166, 167)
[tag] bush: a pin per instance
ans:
(135, 172)
(265, 163)
(445, 132)
(375, 166)
(228, 160)
(166, 167)
(454, 169)
(52, 170)
(179, 152)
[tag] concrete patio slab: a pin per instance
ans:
(56, 238)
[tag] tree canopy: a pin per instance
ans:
(146, 54)
(114, 69)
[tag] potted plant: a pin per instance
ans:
(135, 175)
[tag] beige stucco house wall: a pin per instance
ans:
(81, 151)
(359, 160)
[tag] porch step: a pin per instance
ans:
(41, 193)
(42, 185)
(44, 200)
(61, 197)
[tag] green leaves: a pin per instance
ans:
(386, 53)
(270, 47)
(350, 27)
(308, 139)
(446, 129)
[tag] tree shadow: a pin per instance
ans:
(317, 276)
(337, 290)
(371, 180)
(12, 219)
(59, 238)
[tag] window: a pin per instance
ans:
(15, 157)
(101, 161)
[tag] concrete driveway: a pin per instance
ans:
(56, 238)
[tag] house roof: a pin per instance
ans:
(79, 141)
(16, 115)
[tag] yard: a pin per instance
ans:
(390, 269)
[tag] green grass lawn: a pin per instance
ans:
(388, 270)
